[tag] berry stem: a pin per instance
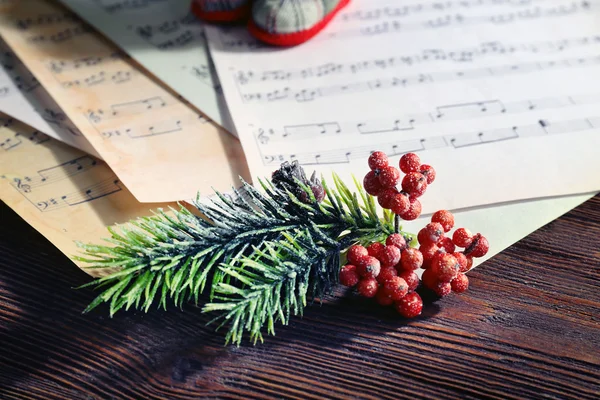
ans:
(396, 223)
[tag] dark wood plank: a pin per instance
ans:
(529, 327)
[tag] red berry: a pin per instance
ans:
(429, 173)
(429, 250)
(355, 253)
(371, 183)
(367, 287)
(400, 203)
(385, 198)
(447, 244)
(383, 298)
(462, 237)
(396, 239)
(410, 305)
(396, 288)
(348, 275)
(390, 256)
(478, 247)
(445, 218)
(378, 160)
(442, 289)
(462, 261)
(429, 279)
(375, 249)
(409, 162)
(389, 177)
(386, 274)
(414, 183)
(368, 267)
(411, 278)
(413, 211)
(445, 267)
(411, 259)
(433, 233)
(469, 263)
(460, 284)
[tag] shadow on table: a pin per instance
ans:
(46, 339)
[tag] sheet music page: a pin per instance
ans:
(168, 40)
(22, 97)
(69, 196)
(501, 95)
(160, 147)
(65, 194)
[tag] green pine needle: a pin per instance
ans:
(261, 253)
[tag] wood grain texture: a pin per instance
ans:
(529, 327)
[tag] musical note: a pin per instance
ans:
(60, 66)
(87, 194)
(406, 10)
(309, 130)
(61, 36)
(409, 122)
(45, 19)
(459, 55)
(62, 171)
(115, 6)
(306, 95)
(469, 109)
(37, 137)
(368, 128)
(455, 141)
(398, 25)
(10, 143)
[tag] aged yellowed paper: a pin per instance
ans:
(64, 193)
(159, 146)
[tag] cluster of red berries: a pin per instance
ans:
(444, 266)
(387, 273)
(383, 179)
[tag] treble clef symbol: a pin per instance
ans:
(22, 186)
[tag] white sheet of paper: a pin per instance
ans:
(22, 97)
(498, 95)
(168, 40)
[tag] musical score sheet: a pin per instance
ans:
(22, 97)
(167, 39)
(501, 96)
(68, 196)
(158, 145)
(65, 194)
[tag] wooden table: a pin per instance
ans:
(529, 327)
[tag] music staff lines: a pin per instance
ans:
(61, 36)
(46, 19)
(450, 112)
(311, 94)
(456, 141)
(53, 174)
(100, 78)
(116, 6)
(59, 66)
(126, 109)
(451, 20)
(458, 55)
(10, 140)
(156, 128)
(406, 10)
(92, 192)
